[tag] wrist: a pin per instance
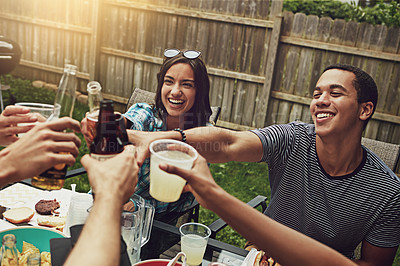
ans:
(7, 171)
(183, 135)
(108, 201)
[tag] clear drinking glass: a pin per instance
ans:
(43, 111)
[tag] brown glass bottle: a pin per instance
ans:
(107, 142)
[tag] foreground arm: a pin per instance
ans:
(9, 120)
(285, 245)
(113, 181)
(215, 144)
(41, 148)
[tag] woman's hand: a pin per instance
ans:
(142, 140)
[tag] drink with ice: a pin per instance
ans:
(194, 247)
(163, 186)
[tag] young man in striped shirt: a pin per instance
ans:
(324, 183)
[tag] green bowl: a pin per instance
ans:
(38, 236)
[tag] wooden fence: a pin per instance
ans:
(308, 44)
(262, 65)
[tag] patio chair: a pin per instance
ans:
(220, 224)
(388, 152)
(390, 155)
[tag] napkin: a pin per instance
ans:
(250, 258)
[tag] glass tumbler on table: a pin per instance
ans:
(194, 238)
(163, 186)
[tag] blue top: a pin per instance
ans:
(144, 118)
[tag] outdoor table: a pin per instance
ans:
(215, 251)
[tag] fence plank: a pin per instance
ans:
(263, 97)
(306, 55)
(229, 88)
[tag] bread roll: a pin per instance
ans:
(51, 221)
(19, 215)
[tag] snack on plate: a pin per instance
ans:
(262, 259)
(47, 207)
(27, 249)
(52, 221)
(19, 215)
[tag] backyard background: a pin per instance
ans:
(263, 62)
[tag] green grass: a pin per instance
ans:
(242, 180)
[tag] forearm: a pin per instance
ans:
(7, 171)
(213, 143)
(285, 245)
(99, 242)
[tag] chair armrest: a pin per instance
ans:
(220, 224)
(192, 211)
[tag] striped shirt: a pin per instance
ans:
(337, 211)
(144, 118)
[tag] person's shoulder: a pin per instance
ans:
(379, 175)
(145, 106)
(300, 125)
(141, 108)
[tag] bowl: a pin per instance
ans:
(38, 236)
(155, 262)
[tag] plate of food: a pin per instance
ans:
(31, 239)
(37, 236)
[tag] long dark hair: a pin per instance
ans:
(200, 112)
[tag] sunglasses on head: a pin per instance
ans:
(189, 54)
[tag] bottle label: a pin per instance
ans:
(102, 157)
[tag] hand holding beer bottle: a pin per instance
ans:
(64, 103)
(109, 139)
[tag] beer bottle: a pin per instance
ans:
(94, 98)
(64, 103)
(107, 142)
(9, 250)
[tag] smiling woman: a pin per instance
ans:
(181, 102)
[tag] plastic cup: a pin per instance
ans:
(163, 186)
(194, 238)
(78, 210)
